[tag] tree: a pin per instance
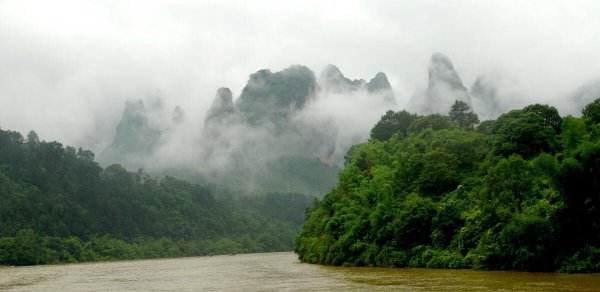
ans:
(33, 139)
(526, 133)
(547, 113)
(434, 121)
(592, 111)
(28, 249)
(58, 205)
(391, 123)
(461, 113)
(485, 127)
(448, 198)
(85, 154)
(573, 134)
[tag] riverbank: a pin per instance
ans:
(274, 272)
(29, 249)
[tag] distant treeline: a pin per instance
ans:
(520, 192)
(58, 205)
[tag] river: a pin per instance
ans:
(273, 272)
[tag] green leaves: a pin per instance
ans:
(526, 133)
(392, 123)
(435, 122)
(592, 112)
(463, 115)
(521, 192)
(58, 205)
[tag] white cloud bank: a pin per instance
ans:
(66, 67)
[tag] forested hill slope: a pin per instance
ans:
(58, 205)
(521, 192)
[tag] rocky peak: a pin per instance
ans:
(133, 132)
(222, 104)
(273, 96)
(332, 80)
(444, 88)
(331, 72)
(442, 73)
(133, 119)
(260, 75)
(380, 85)
(485, 97)
(133, 139)
(379, 82)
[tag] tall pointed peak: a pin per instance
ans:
(442, 72)
(380, 85)
(273, 96)
(224, 94)
(379, 82)
(222, 104)
(134, 137)
(443, 89)
(331, 72)
(333, 80)
(441, 59)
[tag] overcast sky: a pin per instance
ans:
(66, 67)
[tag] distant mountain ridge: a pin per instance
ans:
(269, 137)
(445, 86)
(333, 80)
(261, 140)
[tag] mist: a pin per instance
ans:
(258, 139)
(67, 68)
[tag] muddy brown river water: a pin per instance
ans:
(273, 272)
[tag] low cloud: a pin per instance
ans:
(67, 67)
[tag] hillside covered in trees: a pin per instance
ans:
(58, 205)
(519, 192)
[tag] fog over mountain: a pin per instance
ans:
(285, 132)
(489, 96)
(443, 88)
(140, 81)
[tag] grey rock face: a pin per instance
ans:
(273, 96)
(485, 98)
(380, 85)
(332, 80)
(222, 105)
(134, 138)
(443, 89)
(133, 132)
(442, 73)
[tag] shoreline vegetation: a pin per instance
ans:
(57, 205)
(56, 250)
(521, 192)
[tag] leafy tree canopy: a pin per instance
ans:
(518, 193)
(463, 115)
(391, 123)
(58, 205)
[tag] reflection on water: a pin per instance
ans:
(273, 271)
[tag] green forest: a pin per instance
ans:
(58, 205)
(521, 192)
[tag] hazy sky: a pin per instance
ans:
(66, 67)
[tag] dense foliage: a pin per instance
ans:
(521, 192)
(58, 205)
(461, 113)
